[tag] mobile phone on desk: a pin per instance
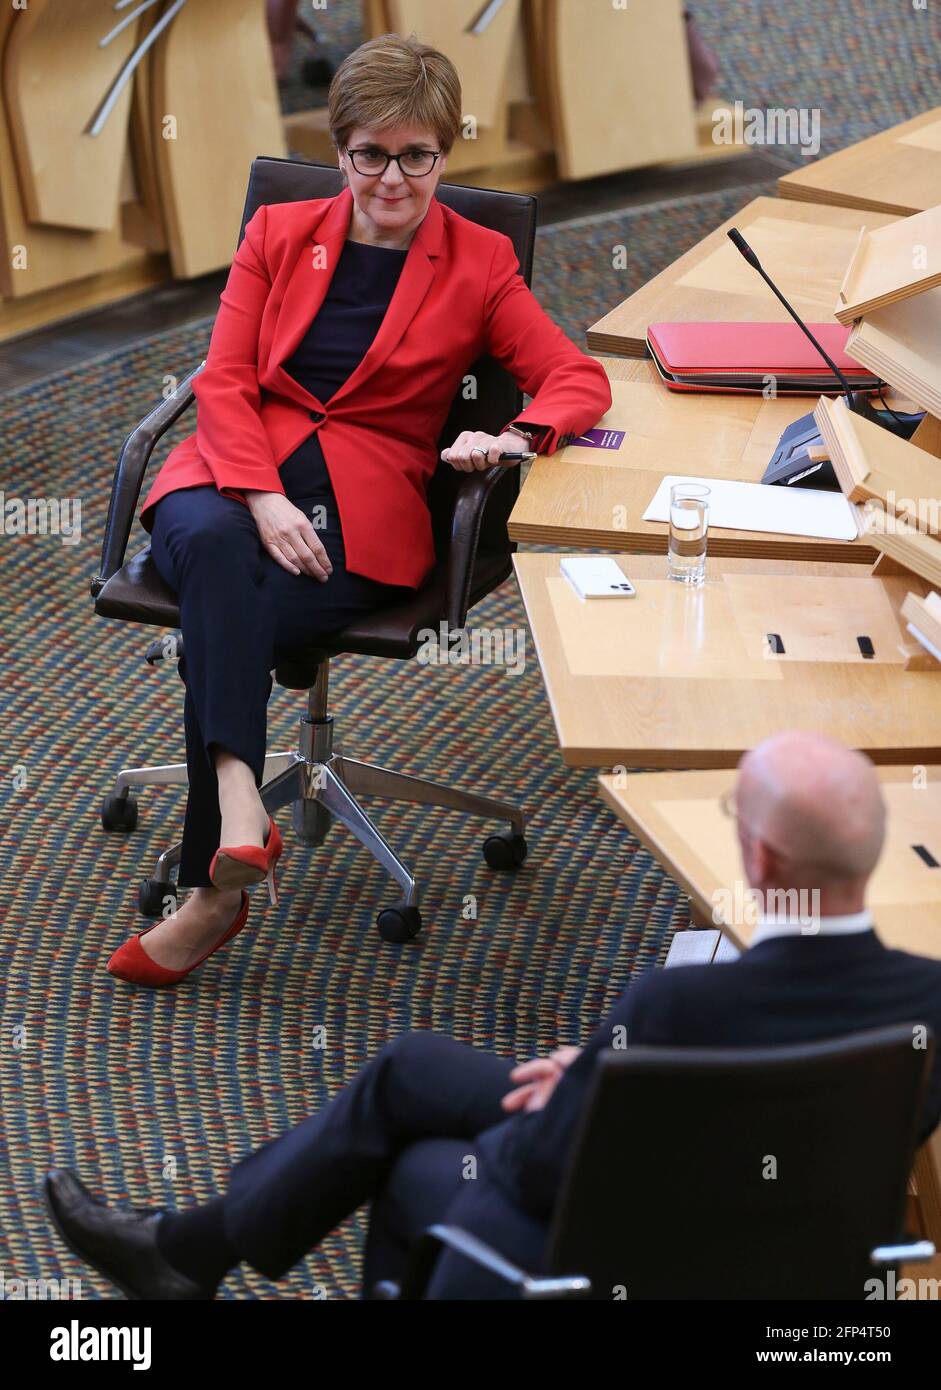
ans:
(597, 576)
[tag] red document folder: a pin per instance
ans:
(740, 357)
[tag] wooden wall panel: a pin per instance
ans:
(53, 255)
(620, 85)
(213, 75)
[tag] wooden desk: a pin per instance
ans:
(677, 816)
(628, 368)
(897, 171)
(680, 678)
(596, 498)
(804, 248)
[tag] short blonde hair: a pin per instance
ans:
(392, 81)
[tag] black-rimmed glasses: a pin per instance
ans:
(414, 164)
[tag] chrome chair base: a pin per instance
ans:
(322, 786)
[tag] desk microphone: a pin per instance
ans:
(857, 401)
(790, 465)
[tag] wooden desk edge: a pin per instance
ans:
(705, 908)
(726, 545)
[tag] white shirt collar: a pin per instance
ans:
(769, 927)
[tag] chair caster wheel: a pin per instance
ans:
(153, 896)
(399, 923)
(505, 850)
(386, 1289)
(119, 814)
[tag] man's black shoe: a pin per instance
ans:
(121, 1245)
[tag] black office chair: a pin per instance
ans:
(469, 515)
(775, 1173)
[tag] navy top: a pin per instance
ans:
(333, 346)
(348, 319)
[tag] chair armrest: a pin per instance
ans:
(469, 503)
(906, 1252)
(427, 1248)
(129, 476)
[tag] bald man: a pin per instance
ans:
(811, 823)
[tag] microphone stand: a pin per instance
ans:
(856, 401)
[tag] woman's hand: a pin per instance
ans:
(474, 451)
(288, 534)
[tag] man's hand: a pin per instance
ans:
(473, 451)
(288, 535)
(536, 1080)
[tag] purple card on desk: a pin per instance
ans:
(598, 439)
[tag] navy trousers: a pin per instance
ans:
(400, 1136)
(240, 612)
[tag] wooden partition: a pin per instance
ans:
(158, 190)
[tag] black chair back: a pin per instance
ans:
(741, 1174)
(498, 397)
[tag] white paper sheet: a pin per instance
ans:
(785, 511)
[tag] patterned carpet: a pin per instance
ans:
(152, 1096)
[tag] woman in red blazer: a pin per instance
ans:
(344, 330)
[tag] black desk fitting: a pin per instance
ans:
(790, 464)
(776, 645)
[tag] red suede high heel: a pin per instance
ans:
(235, 866)
(132, 963)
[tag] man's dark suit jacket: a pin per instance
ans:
(788, 989)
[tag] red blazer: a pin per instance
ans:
(459, 295)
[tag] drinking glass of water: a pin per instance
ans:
(689, 528)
